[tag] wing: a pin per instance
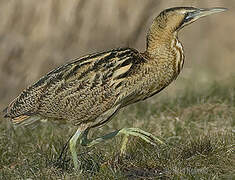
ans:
(95, 77)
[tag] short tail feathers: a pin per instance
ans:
(25, 120)
(22, 120)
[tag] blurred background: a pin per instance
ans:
(37, 36)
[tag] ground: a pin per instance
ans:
(197, 127)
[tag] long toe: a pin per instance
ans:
(148, 137)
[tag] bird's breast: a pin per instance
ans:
(158, 73)
(178, 53)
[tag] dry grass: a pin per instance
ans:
(197, 128)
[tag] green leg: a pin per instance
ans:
(72, 145)
(149, 138)
(124, 145)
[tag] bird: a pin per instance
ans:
(88, 91)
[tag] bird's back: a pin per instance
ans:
(80, 90)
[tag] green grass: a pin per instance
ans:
(198, 128)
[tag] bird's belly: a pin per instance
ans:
(78, 107)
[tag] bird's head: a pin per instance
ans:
(176, 18)
(171, 20)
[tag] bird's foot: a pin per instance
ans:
(148, 137)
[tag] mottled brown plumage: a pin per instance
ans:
(89, 90)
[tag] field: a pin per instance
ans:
(194, 116)
(196, 127)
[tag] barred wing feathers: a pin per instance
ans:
(81, 90)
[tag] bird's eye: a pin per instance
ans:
(188, 17)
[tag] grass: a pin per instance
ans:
(198, 128)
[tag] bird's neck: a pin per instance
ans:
(164, 48)
(159, 38)
(164, 59)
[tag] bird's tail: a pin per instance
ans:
(25, 120)
(22, 120)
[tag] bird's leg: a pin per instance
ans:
(149, 138)
(72, 145)
(90, 142)
(124, 145)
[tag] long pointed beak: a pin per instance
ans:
(206, 12)
(192, 16)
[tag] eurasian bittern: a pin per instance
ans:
(90, 90)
